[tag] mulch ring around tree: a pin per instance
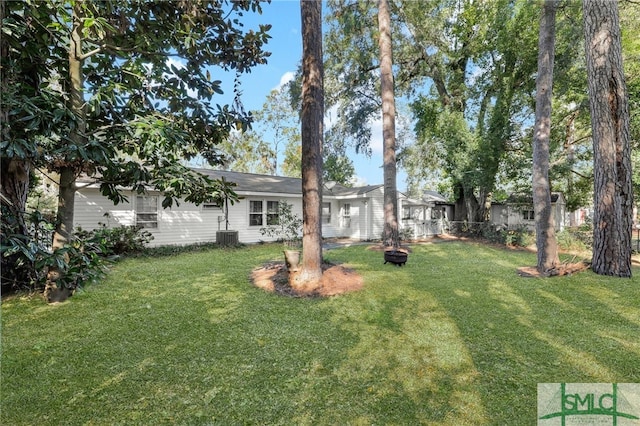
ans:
(336, 279)
(562, 269)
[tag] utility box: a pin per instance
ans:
(227, 238)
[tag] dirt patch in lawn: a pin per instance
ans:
(563, 269)
(336, 279)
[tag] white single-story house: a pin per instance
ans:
(346, 212)
(517, 211)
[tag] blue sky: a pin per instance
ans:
(285, 46)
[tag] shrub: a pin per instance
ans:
(27, 259)
(516, 237)
(119, 241)
(289, 226)
(172, 250)
(580, 238)
(406, 234)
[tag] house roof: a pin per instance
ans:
(433, 196)
(251, 182)
(528, 199)
(269, 184)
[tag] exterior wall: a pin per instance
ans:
(189, 224)
(425, 220)
(375, 212)
(178, 225)
(355, 225)
(559, 214)
(499, 214)
(239, 217)
(512, 216)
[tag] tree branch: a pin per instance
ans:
(112, 48)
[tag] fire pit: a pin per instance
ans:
(396, 256)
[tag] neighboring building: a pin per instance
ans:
(426, 217)
(346, 212)
(517, 211)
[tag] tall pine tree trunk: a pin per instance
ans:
(609, 107)
(546, 243)
(312, 134)
(390, 238)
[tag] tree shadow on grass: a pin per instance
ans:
(520, 332)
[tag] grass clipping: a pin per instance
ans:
(336, 279)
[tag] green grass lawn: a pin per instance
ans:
(455, 337)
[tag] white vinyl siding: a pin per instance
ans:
(188, 223)
(326, 213)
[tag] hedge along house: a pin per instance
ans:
(346, 212)
(517, 211)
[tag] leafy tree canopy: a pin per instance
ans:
(147, 86)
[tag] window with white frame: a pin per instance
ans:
(263, 212)
(528, 215)
(406, 213)
(255, 213)
(211, 206)
(346, 215)
(147, 211)
(273, 213)
(326, 212)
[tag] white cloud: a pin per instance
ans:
(358, 181)
(286, 77)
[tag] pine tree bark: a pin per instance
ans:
(312, 135)
(609, 107)
(546, 243)
(390, 238)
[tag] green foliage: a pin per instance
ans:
(406, 234)
(338, 168)
(576, 239)
(289, 226)
(173, 250)
(148, 86)
(519, 236)
(21, 253)
(119, 241)
(272, 145)
(28, 258)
